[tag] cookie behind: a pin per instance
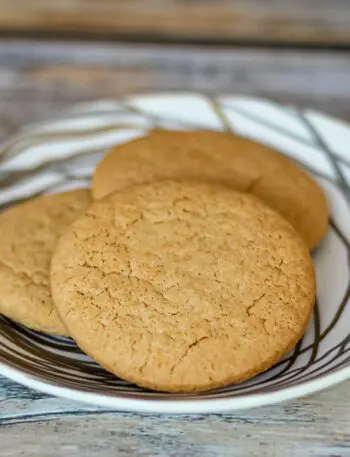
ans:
(219, 157)
(29, 233)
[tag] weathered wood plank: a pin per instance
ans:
(315, 426)
(314, 21)
(38, 79)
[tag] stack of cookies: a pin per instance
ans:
(186, 268)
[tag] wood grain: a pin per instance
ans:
(39, 79)
(33, 425)
(312, 21)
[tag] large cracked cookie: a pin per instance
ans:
(183, 286)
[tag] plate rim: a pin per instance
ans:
(176, 406)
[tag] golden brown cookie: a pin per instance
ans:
(29, 233)
(183, 286)
(242, 164)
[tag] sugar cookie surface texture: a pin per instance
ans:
(29, 233)
(183, 286)
(238, 162)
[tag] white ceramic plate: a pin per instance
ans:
(62, 154)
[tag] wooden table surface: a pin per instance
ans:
(38, 79)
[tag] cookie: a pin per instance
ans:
(220, 157)
(29, 233)
(183, 287)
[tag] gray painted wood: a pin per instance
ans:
(38, 80)
(33, 424)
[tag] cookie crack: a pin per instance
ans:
(254, 303)
(157, 311)
(23, 273)
(135, 221)
(79, 238)
(148, 355)
(187, 351)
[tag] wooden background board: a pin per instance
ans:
(293, 21)
(38, 79)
